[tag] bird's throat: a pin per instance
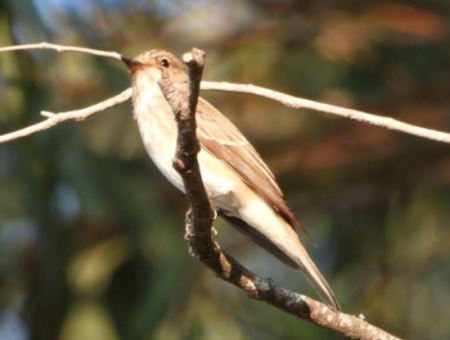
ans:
(157, 126)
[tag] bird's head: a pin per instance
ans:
(150, 65)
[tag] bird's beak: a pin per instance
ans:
(133, 65)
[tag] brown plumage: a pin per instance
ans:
(219, 136)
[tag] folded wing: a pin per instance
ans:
(222, 139)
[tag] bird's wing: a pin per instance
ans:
(222, 139)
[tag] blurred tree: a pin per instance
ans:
(91, 236)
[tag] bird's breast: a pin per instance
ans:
(158, 130)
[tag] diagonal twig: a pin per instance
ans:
(200, 217)
(185, 161)
(287, 100)
(299, 103)
(77, 115)
(60, 48)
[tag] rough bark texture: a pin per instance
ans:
(200, 218)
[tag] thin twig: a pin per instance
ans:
(60, 48)
(287, 100)
(77, 115)
(199, 224)
(299, 103)
(282, 98)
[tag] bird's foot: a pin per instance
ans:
(214, 233)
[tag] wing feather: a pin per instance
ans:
(221, 138)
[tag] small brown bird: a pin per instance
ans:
(241, 187)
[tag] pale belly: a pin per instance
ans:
(159, 132)
(159, 141)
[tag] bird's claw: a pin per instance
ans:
(214, 233)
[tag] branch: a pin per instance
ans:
(199, 222)
(77, 115)
(185, 162)
(60, 48)
(287, 100)
(299, 103)
(282, 98)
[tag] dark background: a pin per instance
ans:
(91, 234)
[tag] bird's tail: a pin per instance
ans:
(316, 279)
(294, 255)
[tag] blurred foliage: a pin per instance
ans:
(91, 235)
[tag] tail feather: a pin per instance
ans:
(296, 259)
(260, 240)
(317, 280)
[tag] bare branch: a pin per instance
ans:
(60, 48)
(185, 162)
(287, 100)
(77, 115)
(298, 103)
(199, 223)
(55, 119)
(282, 98)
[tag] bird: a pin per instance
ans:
(240, 186)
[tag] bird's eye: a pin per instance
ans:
(164, 63)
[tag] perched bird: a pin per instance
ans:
(241, 187)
